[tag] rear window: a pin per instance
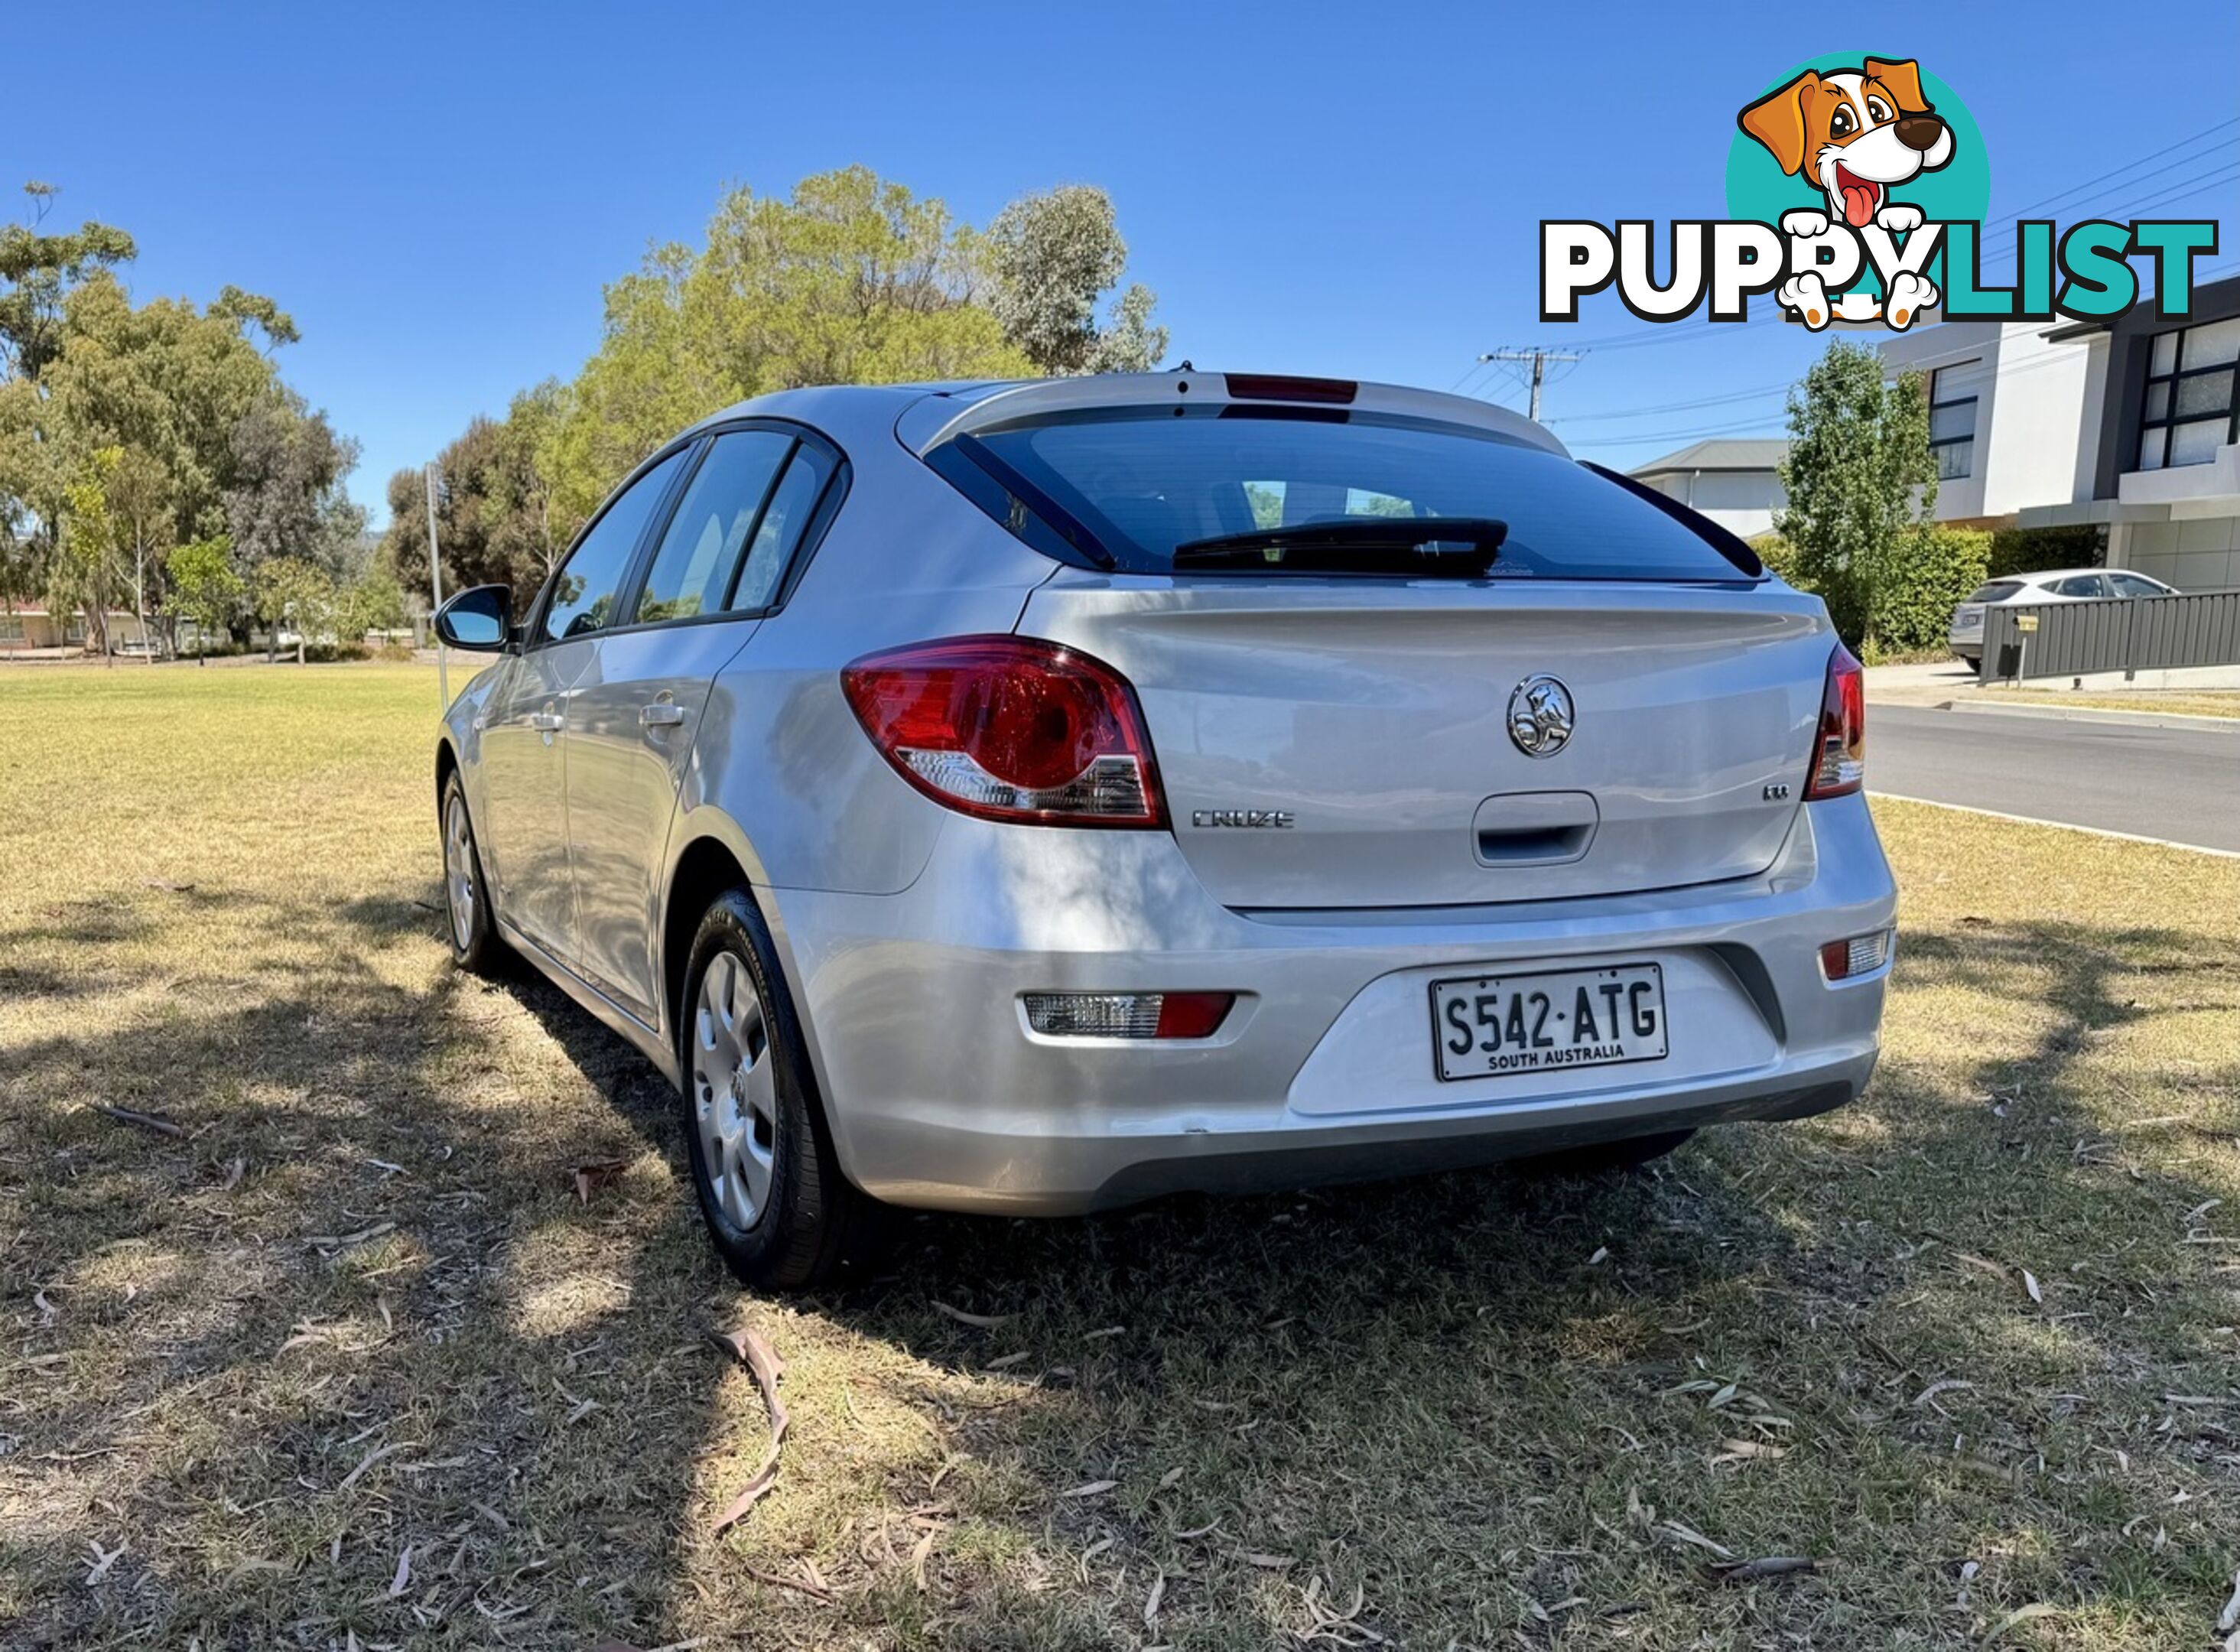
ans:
(1138, 481)
(1997, 591)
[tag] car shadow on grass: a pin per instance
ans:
(395, 1378)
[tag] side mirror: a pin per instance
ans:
(480, 620)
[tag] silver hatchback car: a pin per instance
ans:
(1038, 798)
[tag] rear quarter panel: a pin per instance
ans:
(782, 771)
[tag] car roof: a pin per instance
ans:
(2039, 576)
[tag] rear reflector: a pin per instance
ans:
(1128, 1015)
(1012, 729)
(1860, 955)
(1839, 751)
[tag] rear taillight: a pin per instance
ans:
(1839, 751)
(1012, 729)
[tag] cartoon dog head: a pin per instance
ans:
(1853, 134)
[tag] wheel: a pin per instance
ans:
(1606, 1158)
(475, 943)
(769, 1185)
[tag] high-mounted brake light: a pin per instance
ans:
(1839, 749)
(1010, 728)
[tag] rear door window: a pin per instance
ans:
(1143, 481)
(706, 537)
(2083, 585)
(784, 520)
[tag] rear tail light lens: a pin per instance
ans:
(1010, 728)
(1860, 955)
(1128, 1015)
(1839, 751)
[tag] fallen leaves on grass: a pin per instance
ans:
(167, 886)
(1946, 1385)
(1093, 1489)
(343, 1240)
(2019, 1615)
(1343, 1628)
(751, 1348)
(155, 1122)
(1741, 1450)
(979, 1321)
(1682, 1533)
(1750, 1571)
(102, 1559)
(374, 1456)
(599, 1173)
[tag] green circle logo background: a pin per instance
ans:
(1758, 188)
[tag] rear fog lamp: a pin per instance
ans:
(1861, 955)
(1127, 1014)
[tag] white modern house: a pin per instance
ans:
(1736, 484)
(2131, 425)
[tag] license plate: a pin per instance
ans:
(1551, 1021)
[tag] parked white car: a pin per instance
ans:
(2053, 585)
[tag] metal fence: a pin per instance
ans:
(2126, 634)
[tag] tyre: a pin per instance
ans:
(770, 1187)
(1607, 1158)
(475, 943)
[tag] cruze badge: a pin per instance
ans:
(1540, 715)
(1280, 818)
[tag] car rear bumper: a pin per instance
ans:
(941, 1096)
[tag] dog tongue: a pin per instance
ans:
(1858, 205)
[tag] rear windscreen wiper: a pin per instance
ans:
(1415, 547)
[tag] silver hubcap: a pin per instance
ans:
(459, 870)
(735, 1089)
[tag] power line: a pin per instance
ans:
(1539, 358)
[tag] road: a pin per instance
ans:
(2181, 784)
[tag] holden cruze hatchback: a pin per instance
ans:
(1038, 798)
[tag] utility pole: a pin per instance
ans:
(436, 590)
(1539, 358)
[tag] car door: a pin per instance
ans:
(525, 744)
(715, 572)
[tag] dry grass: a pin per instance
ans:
(2206, 702)
(351, 1360)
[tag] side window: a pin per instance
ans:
(2083, 585)
(2133, 585)
(584, 591)
(784, 520)
(692, 569)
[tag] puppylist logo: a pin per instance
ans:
(1856, 187)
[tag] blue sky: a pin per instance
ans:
(438, 192)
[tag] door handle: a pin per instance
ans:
(547, 722)
(661, 715)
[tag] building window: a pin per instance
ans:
(2189, 411)
(1952, 394)
(11, 631)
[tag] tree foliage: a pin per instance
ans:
(206, 586)
(849, 279)
(210, 446)
(1053, 257)
(1858, 475)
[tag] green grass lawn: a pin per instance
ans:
(352, 1363)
